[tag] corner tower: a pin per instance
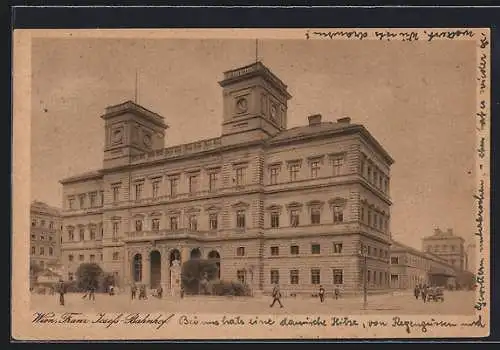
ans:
(255, 104)
(131, 129)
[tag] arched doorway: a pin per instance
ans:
(137, 268)
(195, 253)
(155, 263)
(215, 256)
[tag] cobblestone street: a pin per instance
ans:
(457, 303)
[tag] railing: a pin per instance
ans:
(169, 233)
(180, 150)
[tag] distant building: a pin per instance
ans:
(266, 203)
(410, 267)
(45, 238)
(447, 246)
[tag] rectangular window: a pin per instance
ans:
(193, 223)
(155, 224)
(155, 189)
(71, 234)
(294, 218)
(212, 182)
(71, 203)
(174, 186)
(213, 221)
(51, 238)
(116, 194)
(337, 248)
(116, 227)
(275, 276)
(240, 251)
(394, 260)
(93, 199)
(337, 164)
(315, 276)
(51, 251)
(33, 250)
(338, 276)
(275, 220)
(315, 216)
(82, 234)
(274, 175)
(174, 223)
(240, 176)
(138, 225)
(33, 237)
(241, 276)
(338, 214)
(294, 250)
(33, 222)
(70, 258)
(315, 249)
(81, 200)
(92, 233)
(51, 225)
(81, 257)
(294, 171)
(294, 276)
(240, 219)
(362, 214)
(275, 251)
(92, 258)
(116, 255)
(193, 184)
(101, 196)
(315, 169)
(138, 191)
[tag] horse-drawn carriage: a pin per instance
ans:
(435, 294)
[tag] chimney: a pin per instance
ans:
(314, 119)
(344, 120)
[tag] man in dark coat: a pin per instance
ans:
(62, 291)
(276, 295)
(321, 293)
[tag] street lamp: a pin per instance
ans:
(363, 253)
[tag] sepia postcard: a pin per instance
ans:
(251, 184)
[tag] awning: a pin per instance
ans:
(441, 274)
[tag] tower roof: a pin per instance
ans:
(132, 107)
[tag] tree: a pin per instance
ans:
(88, 275)
(196, 273)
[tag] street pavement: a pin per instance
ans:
(456, 303)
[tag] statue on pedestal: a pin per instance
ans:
(175, 278)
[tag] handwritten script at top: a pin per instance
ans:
(389, 35)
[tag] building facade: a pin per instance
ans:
(471, 257)
(411, 267)
(266, 203)
(447, 246)
(45, 235)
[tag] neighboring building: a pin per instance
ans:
(447, 246)
(410, 267)
(267, 203)
(45, 238)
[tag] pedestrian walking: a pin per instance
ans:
(92, 293)
(416, 291)
(423, 293)
(276, 295)
(337, 293)
(321, 293)
(133, 291)
(62, 291)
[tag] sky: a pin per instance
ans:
(417, 99)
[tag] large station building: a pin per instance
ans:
(267, 203)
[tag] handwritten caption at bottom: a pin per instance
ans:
(160, 320)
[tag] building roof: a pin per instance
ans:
(132, 107)
(95, 174)
(398, 246)
(440, 235)
(44, 208)
(326, 129)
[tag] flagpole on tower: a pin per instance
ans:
(256, 50)
(135, 88)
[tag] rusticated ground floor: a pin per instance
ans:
(298, 264)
